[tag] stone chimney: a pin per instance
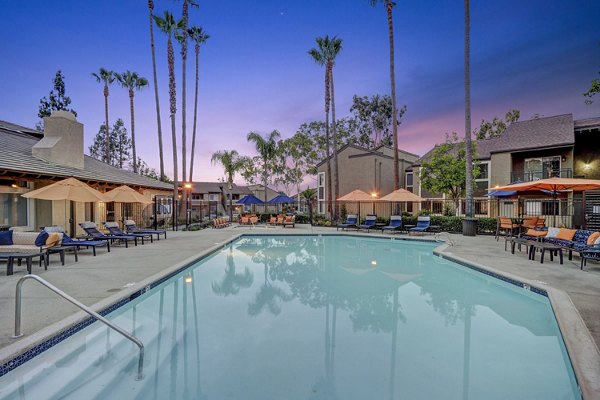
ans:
(62, 143)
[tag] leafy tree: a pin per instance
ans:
(293, 155)
(592, 91)
(374, 120)
(169, 26)
(198, 36)
(132, 81)
(389, 5)
(497, 126)
(144, 170)
(119, 145)
(106, 77)
(445, 171)
(157, 102)
(57, 99)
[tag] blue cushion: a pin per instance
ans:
(66, 238)
(40, 240)
(581, 236)
(6, 238)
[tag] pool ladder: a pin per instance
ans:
(92, 313)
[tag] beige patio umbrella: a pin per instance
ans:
(124, 194)
(69, 189)
(401, 195)
(356, 195)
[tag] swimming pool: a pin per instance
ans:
(322, 317)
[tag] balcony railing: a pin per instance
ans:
(528, 176)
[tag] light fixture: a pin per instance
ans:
(14, 186)
(374, 263)
(587, 166)
(187, 185)
(188, 279)
(373, 194)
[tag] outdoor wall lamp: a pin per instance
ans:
(587, 166)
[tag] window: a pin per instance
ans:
(321, 193)
(196, 197)
(483, 170)
(213, 197)
(595, 209)
(409, 181)
(542, 168)
(542, 207)
(13, 209)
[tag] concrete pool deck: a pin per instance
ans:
(101, 280)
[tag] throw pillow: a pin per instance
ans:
(6, 238)
(53, 239)
(566, 234)
(597, 242)
(41, 239)
(536, 232)
(592, 238)
(552, 232)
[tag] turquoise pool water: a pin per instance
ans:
(306, 317)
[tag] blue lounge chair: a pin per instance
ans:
(370, 223)
(351, 221)
(395, 224)
(423, 224)
(68, 241)
(131, 227)
(113, 229)
(93, 233)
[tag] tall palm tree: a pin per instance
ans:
(198, 36)
(158, 123)
(132, 82)
(468, 145)
(105, 77)
(231, 162)
(389, 5)
(333, 49)
(323, 55)
(267, 150)
(169, 26)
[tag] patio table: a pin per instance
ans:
(11, 257)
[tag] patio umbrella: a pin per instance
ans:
(281, 199)
(401, 195)
(505, 193)
(126, 195)
(249, 200)
(69, 189)
(356, 195)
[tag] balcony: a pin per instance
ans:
(528, 176)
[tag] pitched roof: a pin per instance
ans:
(16, 143)
(588, 123)
(215, 187)
(537, 133)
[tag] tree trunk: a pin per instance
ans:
(132, 132)
(195, 118)
(173, 110)
(469, 147)
(336, 175)
(107, 144)
(388, 6)
(158, 123)
(265, 178)
(327, 150)
(184, 17)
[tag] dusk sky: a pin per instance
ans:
(256, 75)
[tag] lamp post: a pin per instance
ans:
(374, 197)
(188, 211)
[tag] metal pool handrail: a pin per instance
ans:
(80, 305)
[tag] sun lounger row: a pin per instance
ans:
(283, 220)
(395, 224)
(249, 219)
(219, 223)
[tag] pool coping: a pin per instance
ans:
(581, 348)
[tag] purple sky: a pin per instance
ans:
(536, 56)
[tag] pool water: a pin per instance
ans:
(308, 317)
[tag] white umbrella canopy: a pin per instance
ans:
(67, 189)
(125, 194)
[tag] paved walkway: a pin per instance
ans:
(99, 279)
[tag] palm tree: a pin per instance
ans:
(105, 77)
(170, 27)
(309, 195)
(325, 55)
(389, 5)
(158, 123)
(132, 81)
(198, 36)
(267, 149)
(232, 281)
(231, 163)
(468, 145)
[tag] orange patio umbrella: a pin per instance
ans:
(554, 185)
(401, 195)
(356, 195)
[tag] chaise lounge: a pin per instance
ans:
(395, 224)
(351, 221)
(113, 229)
(423, 224)
(131, 227)
(370, 223)
(92, 231)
